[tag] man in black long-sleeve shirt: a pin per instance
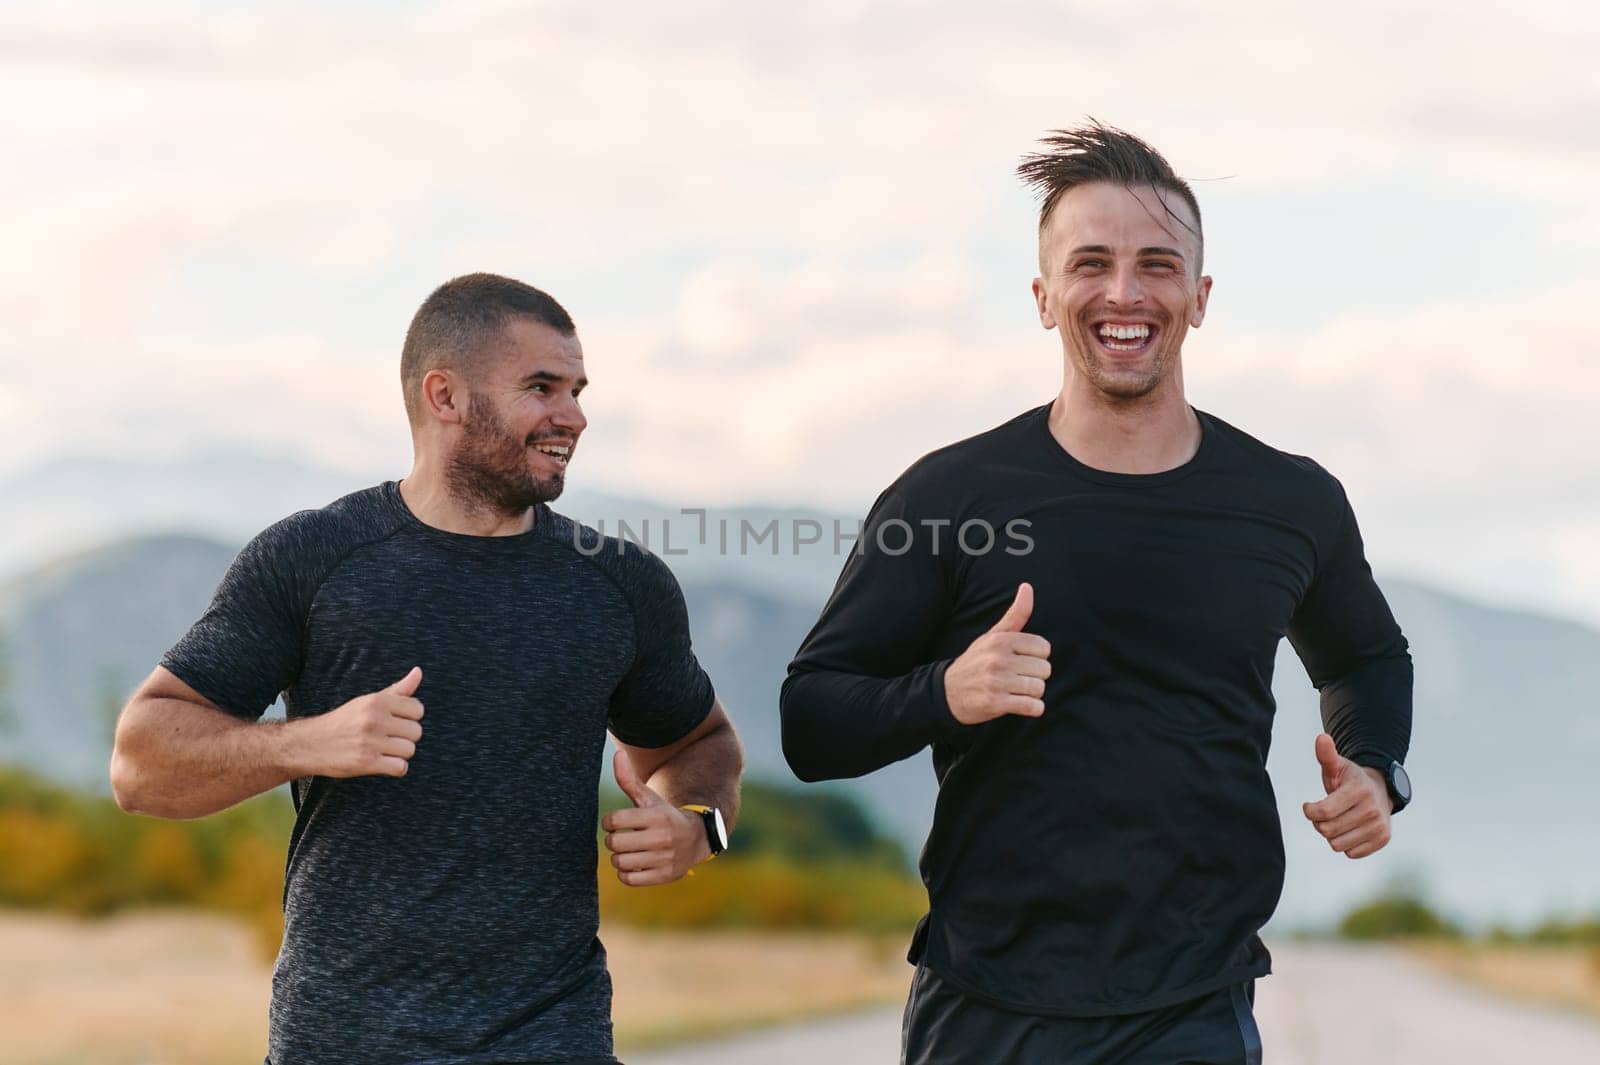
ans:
(1079, 610)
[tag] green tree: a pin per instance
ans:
(810, 825)
(1396, 916)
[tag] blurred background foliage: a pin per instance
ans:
(1399, 915)
(62, 850)
(803, 860)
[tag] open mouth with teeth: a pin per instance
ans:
(1124, 338)
(561, 454)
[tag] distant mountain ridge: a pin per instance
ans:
(75, 505)
(1504, 743)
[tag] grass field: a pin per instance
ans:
(1567, 976)
(187, 988)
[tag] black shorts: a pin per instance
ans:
(944, 1026)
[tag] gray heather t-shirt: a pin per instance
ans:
(448, 916)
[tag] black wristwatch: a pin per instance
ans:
(1398, 781)
(716, 828)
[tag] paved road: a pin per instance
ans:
(1324, 1005)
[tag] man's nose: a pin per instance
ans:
(1123, 288)
(569, 416)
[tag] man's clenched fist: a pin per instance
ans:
(655, 842)
(1354, 818)
(1004, 670)
(371, 735)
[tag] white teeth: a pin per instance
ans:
(1125, 332)
(552, 449)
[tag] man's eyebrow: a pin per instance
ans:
(548, 375)
(1102, 249)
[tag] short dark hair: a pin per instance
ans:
(461, 319)
(1098, 153)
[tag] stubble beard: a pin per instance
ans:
(1111, 381)
(489, 469)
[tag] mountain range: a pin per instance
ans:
(1504, 744)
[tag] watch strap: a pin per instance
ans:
(1385, 767)
(708, 817)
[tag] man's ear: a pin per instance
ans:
(1046, 319)
(443, 397)
(1202, 297)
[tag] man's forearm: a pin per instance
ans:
(176, 759)
(1367, 711)
(706, 771)
(838, 725)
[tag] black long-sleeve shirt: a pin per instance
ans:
(1121, 852)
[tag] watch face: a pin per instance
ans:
(1402, 782)
(722, 829)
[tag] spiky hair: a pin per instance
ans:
(1097, 153)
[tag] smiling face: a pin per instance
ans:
(522, 421)
(1120, 278)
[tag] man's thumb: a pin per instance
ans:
(1018, 613)
(628, 780)
(408, 684)
(1331, 761)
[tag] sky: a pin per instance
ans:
(795, 246)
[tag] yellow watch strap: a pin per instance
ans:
(702, 809)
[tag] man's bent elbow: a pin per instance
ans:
(799, 764)
(124, 784)
(129, 772)
(799, 750)
(805, 772)
(130, 787)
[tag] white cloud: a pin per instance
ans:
(832, 127)
(1465, 433)
(785, 153)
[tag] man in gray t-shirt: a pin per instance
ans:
(440, 902)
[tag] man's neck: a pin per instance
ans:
(1150, 434)
(427, 495)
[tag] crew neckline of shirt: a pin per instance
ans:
(491, 545)
(1208, 432)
